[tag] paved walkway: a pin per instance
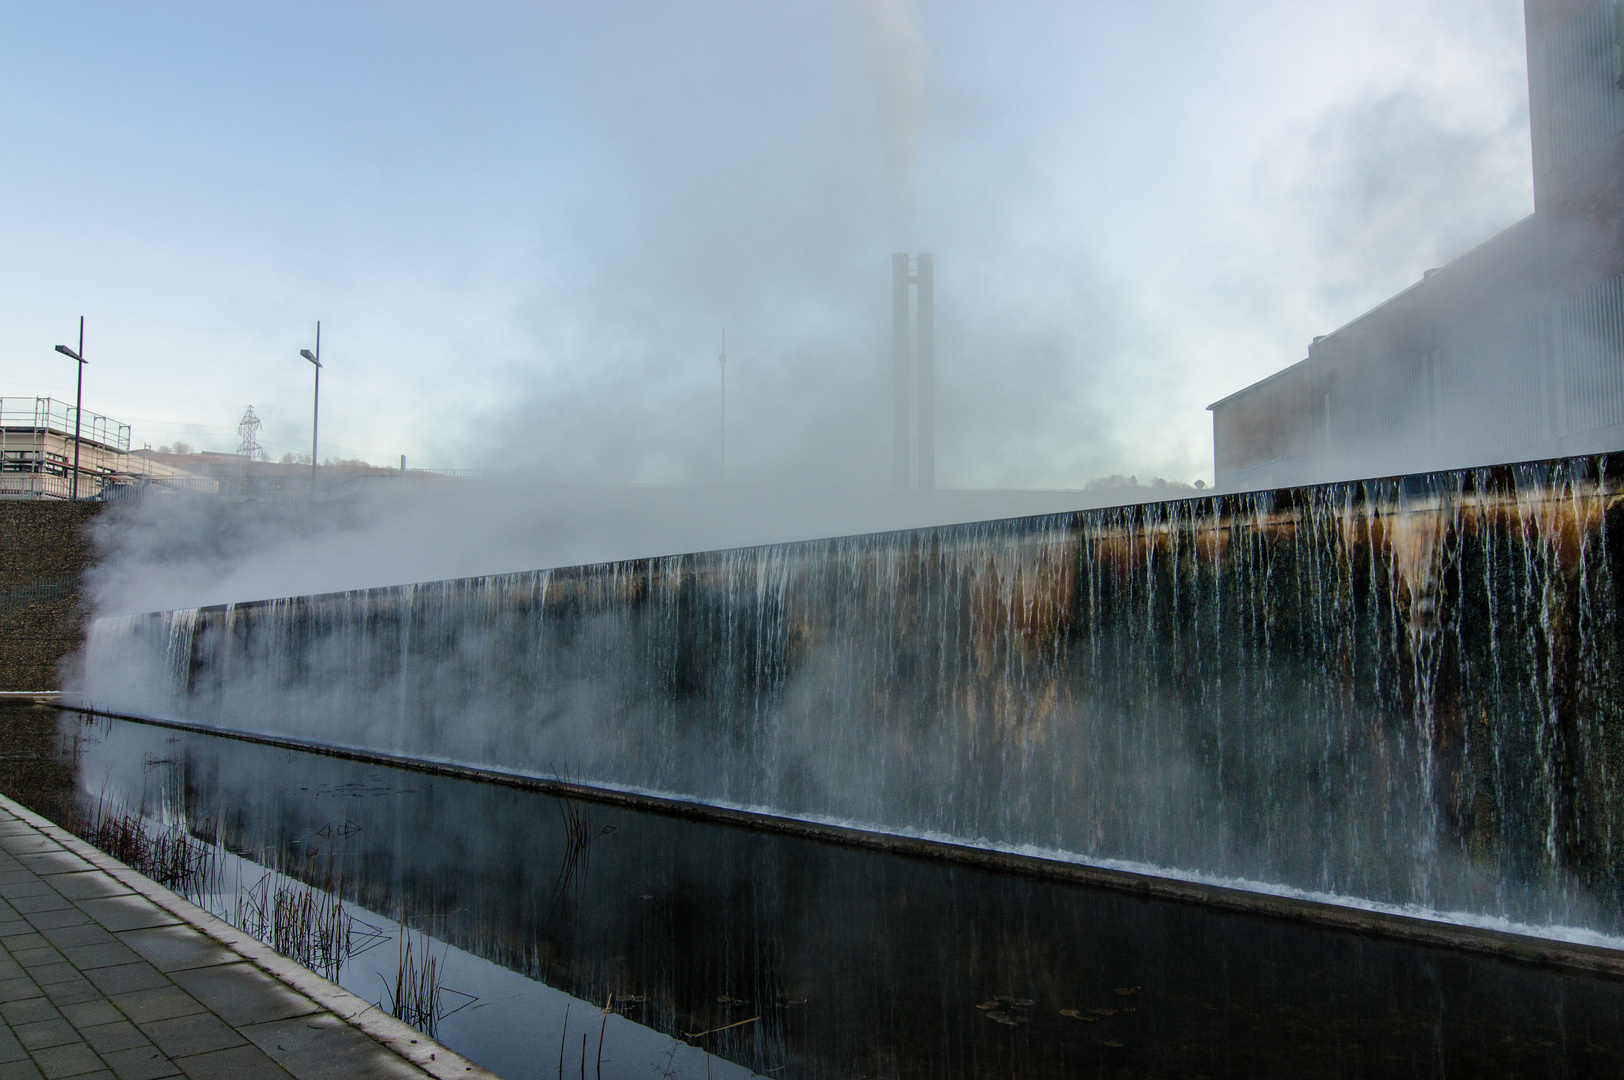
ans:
(105, 974)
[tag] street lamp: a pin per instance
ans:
(315, 410)
(78, 401)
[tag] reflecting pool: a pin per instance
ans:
(793, 958)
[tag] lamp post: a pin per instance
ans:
(315, 410)
(78, 400)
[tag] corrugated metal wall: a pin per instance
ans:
(1500, 375)
(1589, 354)
(1490, 384)
(1493, 390)
(1376, 402)
(1576, 97)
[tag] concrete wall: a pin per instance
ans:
(45, 549)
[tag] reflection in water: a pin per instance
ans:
(798, 959)
(496, 1016)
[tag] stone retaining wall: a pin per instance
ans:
(45, 548)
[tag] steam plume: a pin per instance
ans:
(895, 58)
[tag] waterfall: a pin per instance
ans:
(1401, 691)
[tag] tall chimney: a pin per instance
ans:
(926, 343)
(900, 457)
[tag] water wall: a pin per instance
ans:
(1399, 692)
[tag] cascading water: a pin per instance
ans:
(1398, 692)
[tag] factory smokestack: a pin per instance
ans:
(900, 419)
(913, 390)
(925, 345)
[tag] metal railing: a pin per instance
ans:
(37, 414)
(50, 485)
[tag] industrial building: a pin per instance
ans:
(1515, 351)
(37, 449)
(37, 456)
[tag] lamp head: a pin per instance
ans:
(69, 353)
(308, 355)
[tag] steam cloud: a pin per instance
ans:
(524, 226)
(165, 553)
(895, 61)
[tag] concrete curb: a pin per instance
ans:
(403, 1040)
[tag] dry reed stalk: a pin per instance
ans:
(417, 996)
(168, 854)
(610, 1004)
(305, 921)
(562, 1037)
(578, 836)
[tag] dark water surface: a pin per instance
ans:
(843, 962)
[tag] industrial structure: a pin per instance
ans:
(37, 450)
(248, 437)
(37, 456)
(913, 371)
(1514, 351)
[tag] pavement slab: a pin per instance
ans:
(104, 973)
(176, 948)
(70, 992)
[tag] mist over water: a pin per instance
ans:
(164, 553)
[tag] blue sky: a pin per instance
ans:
(524, 226)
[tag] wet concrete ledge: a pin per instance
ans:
(1522, 948)
(105, 973)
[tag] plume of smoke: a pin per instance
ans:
(895, 59)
